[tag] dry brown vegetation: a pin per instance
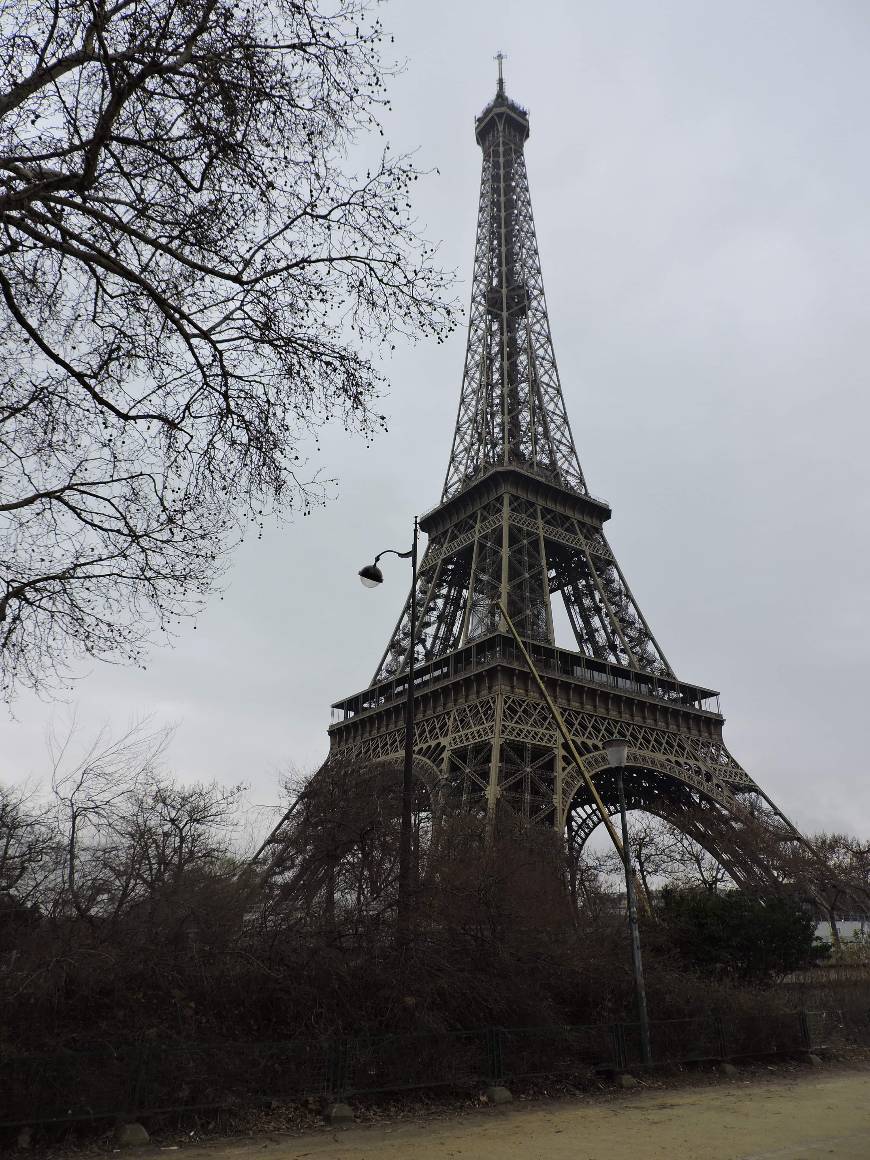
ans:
(126, 910)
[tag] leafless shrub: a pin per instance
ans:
(834, 871)
(131, 912)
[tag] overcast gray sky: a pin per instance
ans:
(700, 177)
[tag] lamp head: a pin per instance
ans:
(616, 749)
(371, 576)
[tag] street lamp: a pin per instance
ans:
(371, 576)
(616, 749)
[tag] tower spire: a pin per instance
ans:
(500, 56)
(511, 410)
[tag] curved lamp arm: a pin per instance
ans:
(392, 552)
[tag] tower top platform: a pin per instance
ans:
(501, 109)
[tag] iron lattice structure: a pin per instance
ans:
(516, 524)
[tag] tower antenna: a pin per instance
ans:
(500, 56)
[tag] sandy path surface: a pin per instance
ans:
(805, 1119)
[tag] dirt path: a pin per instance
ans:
(804, 1119)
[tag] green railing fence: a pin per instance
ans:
(150, 1077)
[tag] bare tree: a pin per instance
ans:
(590, 876)
(28, 848)
(664, 854)
(332, 863)
(686, 863)
(128, 833)
(192, 279)
(834, 871)
(168, 829)
(92, 790)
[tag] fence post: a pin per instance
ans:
(134, 1096)
(336, 1068)
(495, 1060)
(617, 1040)
(806, 1037)
(720, 1036)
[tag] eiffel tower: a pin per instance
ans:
(517, 525)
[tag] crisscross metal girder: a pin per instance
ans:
(519, 552)
(702, 761)
(511, 409)
(726, 830)
(508, 745)
(512, 550)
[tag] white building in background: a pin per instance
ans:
(847, 926)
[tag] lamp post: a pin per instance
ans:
(371, 576)
(616, 750)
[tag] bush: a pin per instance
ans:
(738, 935)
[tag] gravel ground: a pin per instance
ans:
(786, 1112)
(798, 1119)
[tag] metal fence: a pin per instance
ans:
(148, 1077)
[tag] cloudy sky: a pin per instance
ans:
(700, 176)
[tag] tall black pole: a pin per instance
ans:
(640, 989)
(404, 902)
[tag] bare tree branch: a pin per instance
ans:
(192, 279)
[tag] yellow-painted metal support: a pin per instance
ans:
(569, 742)
(563, 729)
